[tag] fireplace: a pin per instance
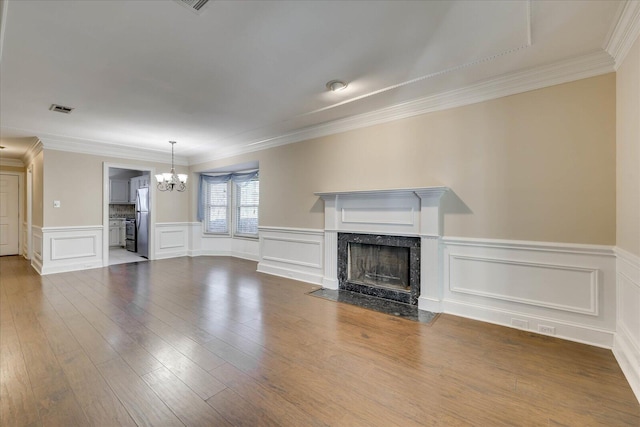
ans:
(383, 266)
(379, 217)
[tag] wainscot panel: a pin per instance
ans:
(221, 245)
(60, 249)
(171, 239)
(36, 242)
(25, 239)
(563, 290)
(626, 347)
(295, 253)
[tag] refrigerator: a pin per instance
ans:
(142, 222)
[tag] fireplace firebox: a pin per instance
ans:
(378, 265)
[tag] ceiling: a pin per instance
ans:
(245, 75)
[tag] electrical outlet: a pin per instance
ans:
(519, 323)
(544, 329)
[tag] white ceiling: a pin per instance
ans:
(243, 74)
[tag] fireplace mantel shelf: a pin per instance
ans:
(419, 191)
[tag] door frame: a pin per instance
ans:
(105, 207)
(20, 176)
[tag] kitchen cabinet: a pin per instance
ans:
(116, 232)
(135, 184)
(118, 191)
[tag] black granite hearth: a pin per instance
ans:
(408, 294)
(393, 308)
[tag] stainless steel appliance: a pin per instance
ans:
(130, 234)
(142, 222)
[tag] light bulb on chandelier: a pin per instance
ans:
(169, 180)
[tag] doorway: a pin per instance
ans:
(128, 214)
(9, 214)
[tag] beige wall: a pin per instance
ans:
(533, 166)
(628, 152)
(77, 181)
(37, 163)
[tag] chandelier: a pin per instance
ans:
(168, 180)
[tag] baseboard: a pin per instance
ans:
(571, 332)
(626, 346)
(627, 354)
(288, 273)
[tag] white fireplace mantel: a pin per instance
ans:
(403, 212)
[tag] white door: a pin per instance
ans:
(9, 214)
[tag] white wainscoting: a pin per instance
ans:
(221, 245)
(296, 253)
(171, 239)
(25, 241)
(36, 242)
(564, 290)
(626, 347)
(59, 249)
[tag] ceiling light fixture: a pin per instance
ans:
(336, 85)
(168, 180)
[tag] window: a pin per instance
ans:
(229, 204)
(216, 207)
(247, 202)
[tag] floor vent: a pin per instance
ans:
(194, 5)
(60, 108)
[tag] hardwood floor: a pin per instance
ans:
(209, 342)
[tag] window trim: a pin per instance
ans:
(235, 195)
(232, 206)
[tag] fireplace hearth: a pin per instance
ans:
(379, 265)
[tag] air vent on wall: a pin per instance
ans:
(60, 108)
(194, 5)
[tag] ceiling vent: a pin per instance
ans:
(193, 5)
(60, 108)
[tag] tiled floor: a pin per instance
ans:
(122, 256)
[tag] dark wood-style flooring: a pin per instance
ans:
(209, 342)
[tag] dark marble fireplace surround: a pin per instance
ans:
(395, 293)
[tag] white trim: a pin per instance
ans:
(565, 330)
(21, 214)
(295, 253)
(545, 298)
(626, 347)
(314, 231)
(628, 257)
(16, 163)
(36, 239)
(105, 206)
(77, 145)
(4, 7)
(32, 151)
(593, 284)
(600, 250)
(582, 67)
(67, 248)
(625, 33)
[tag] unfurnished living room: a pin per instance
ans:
(319, 213)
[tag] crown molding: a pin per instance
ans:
(625, 33)
(4, 5)
(110, 150)
(32, 151)
(585, 66)
(11, 162)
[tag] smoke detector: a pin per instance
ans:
(194, 5)
(60, 109)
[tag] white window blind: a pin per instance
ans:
(216, 203)
(247, 202)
